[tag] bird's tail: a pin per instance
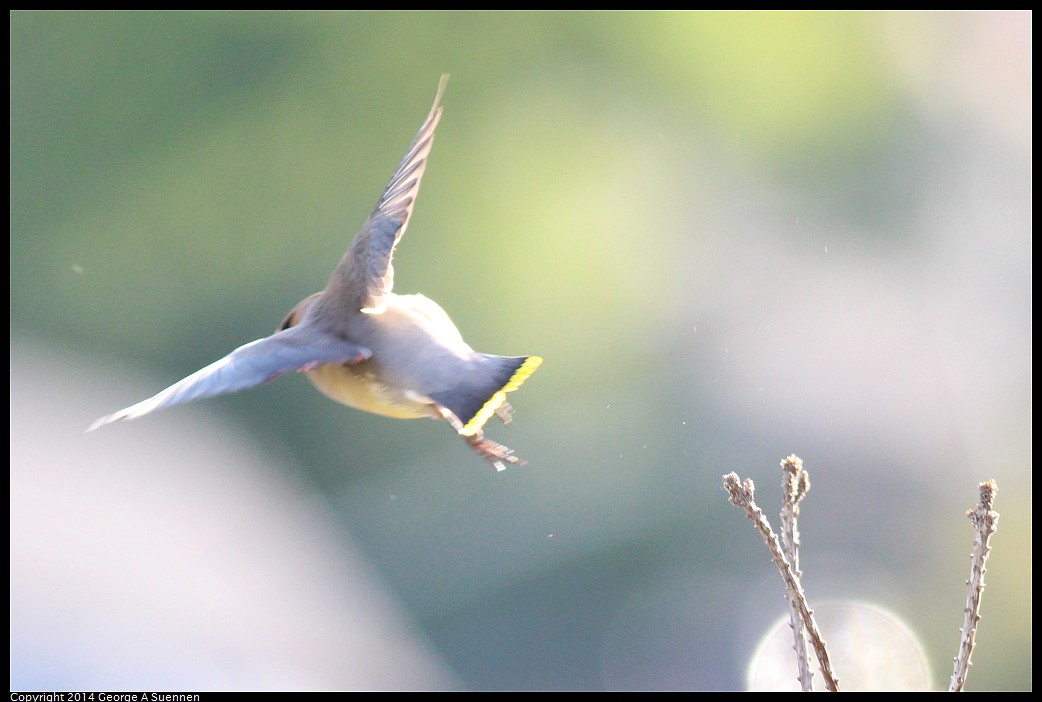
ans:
(475, 402)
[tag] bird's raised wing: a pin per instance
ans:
(297, 348)
(365, 274)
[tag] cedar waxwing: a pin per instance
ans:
(367, 347)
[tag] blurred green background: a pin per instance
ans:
(732, 236)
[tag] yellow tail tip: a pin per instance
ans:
(499, 397)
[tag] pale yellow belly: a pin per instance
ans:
(357, 387)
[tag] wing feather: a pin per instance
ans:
(296, 348)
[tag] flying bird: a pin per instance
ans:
(367, 347)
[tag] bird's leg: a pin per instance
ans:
(496, 454)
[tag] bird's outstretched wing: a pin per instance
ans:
(297, 348)
(365, 274)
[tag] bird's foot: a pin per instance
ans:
(496, 454)
(505, 413)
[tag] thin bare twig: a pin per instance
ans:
(795, 484)
(985, 521)
(741, 495)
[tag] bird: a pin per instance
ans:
(367, 347)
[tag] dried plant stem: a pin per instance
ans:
(741, 495)
(984, 522)
(795, 484)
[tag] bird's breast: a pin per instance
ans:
(360, 386)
